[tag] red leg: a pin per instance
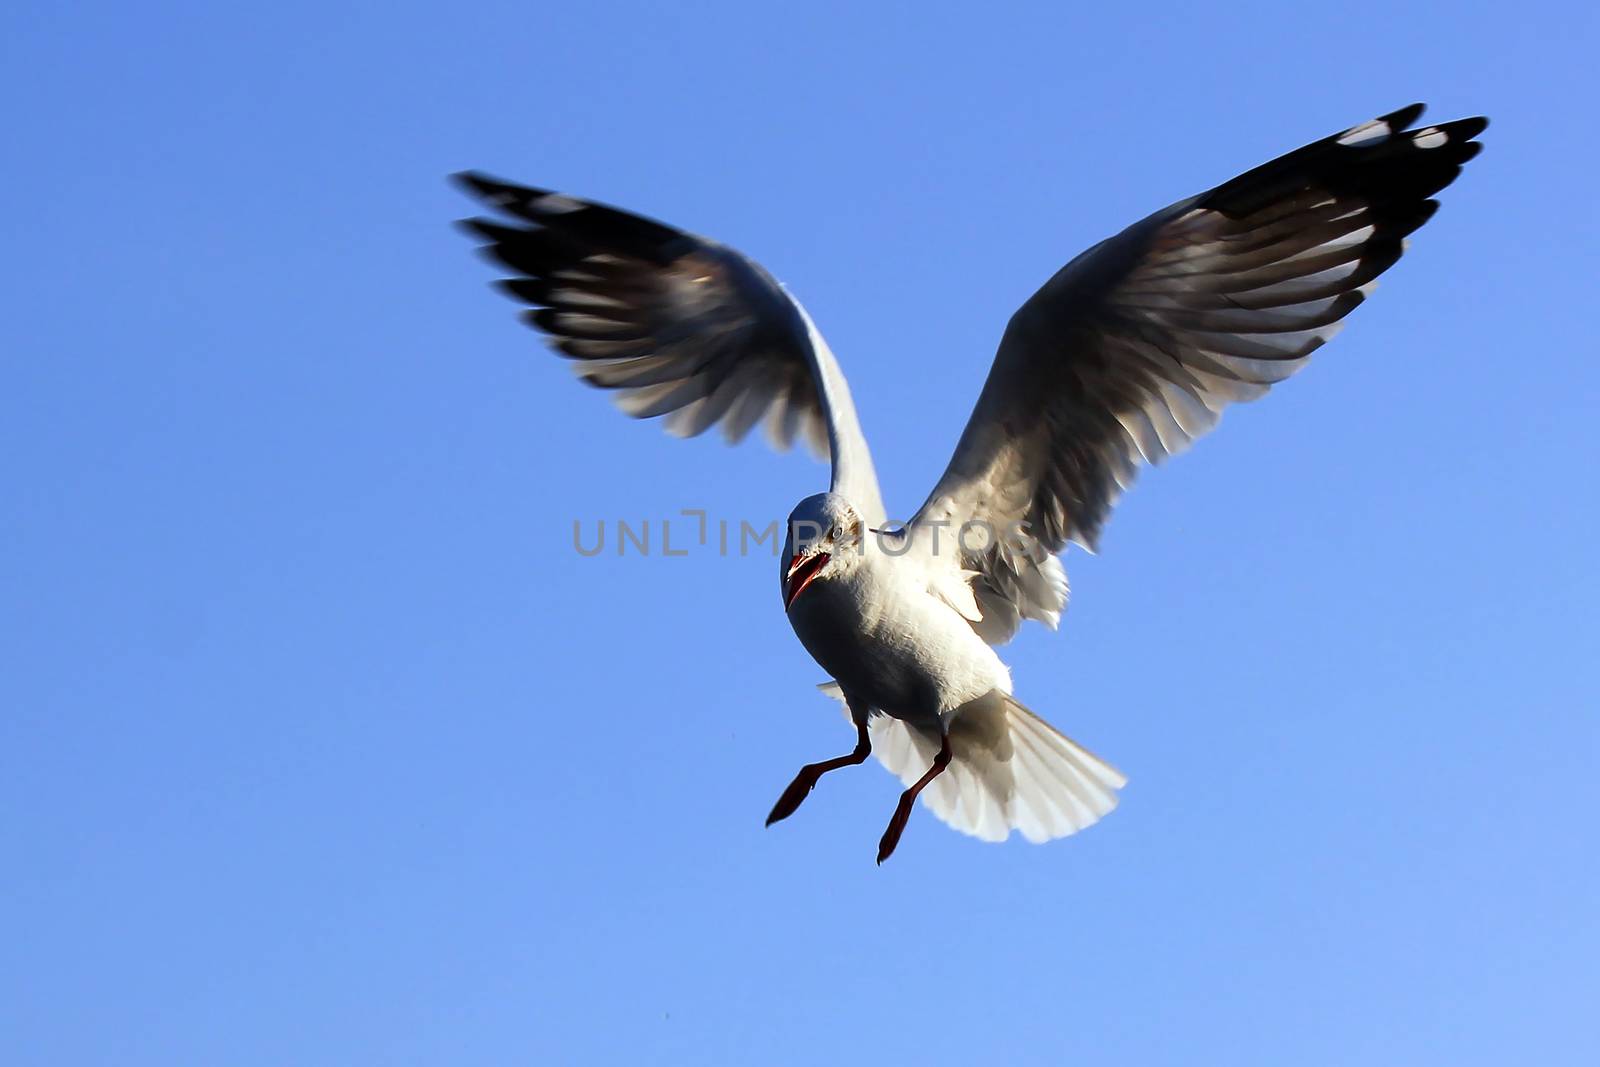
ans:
(806, 780)
(902, 811)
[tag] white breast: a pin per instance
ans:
(887, 640)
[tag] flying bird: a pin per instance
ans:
(1125, 356)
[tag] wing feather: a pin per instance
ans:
(1133, 349)
(675, 325)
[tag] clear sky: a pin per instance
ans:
(321, 745)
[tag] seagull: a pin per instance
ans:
(1125, 356)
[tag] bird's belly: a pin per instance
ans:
(915, 661)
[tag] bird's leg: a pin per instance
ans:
(806, 780)
(902, 811)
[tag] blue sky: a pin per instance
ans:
(322, 746)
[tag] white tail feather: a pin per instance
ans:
(1010, 770)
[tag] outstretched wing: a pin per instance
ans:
(1134, 348)
(676, 325)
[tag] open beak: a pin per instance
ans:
(802, 569)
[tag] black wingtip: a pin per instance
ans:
(1460, 129)
(1400, 119)
(473, 181)
(495, 191)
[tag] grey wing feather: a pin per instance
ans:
(1134, 348)
(675, 325)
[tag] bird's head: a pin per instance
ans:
(824, 541)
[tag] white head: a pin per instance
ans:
(825, 540)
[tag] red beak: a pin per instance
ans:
(802, 569)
